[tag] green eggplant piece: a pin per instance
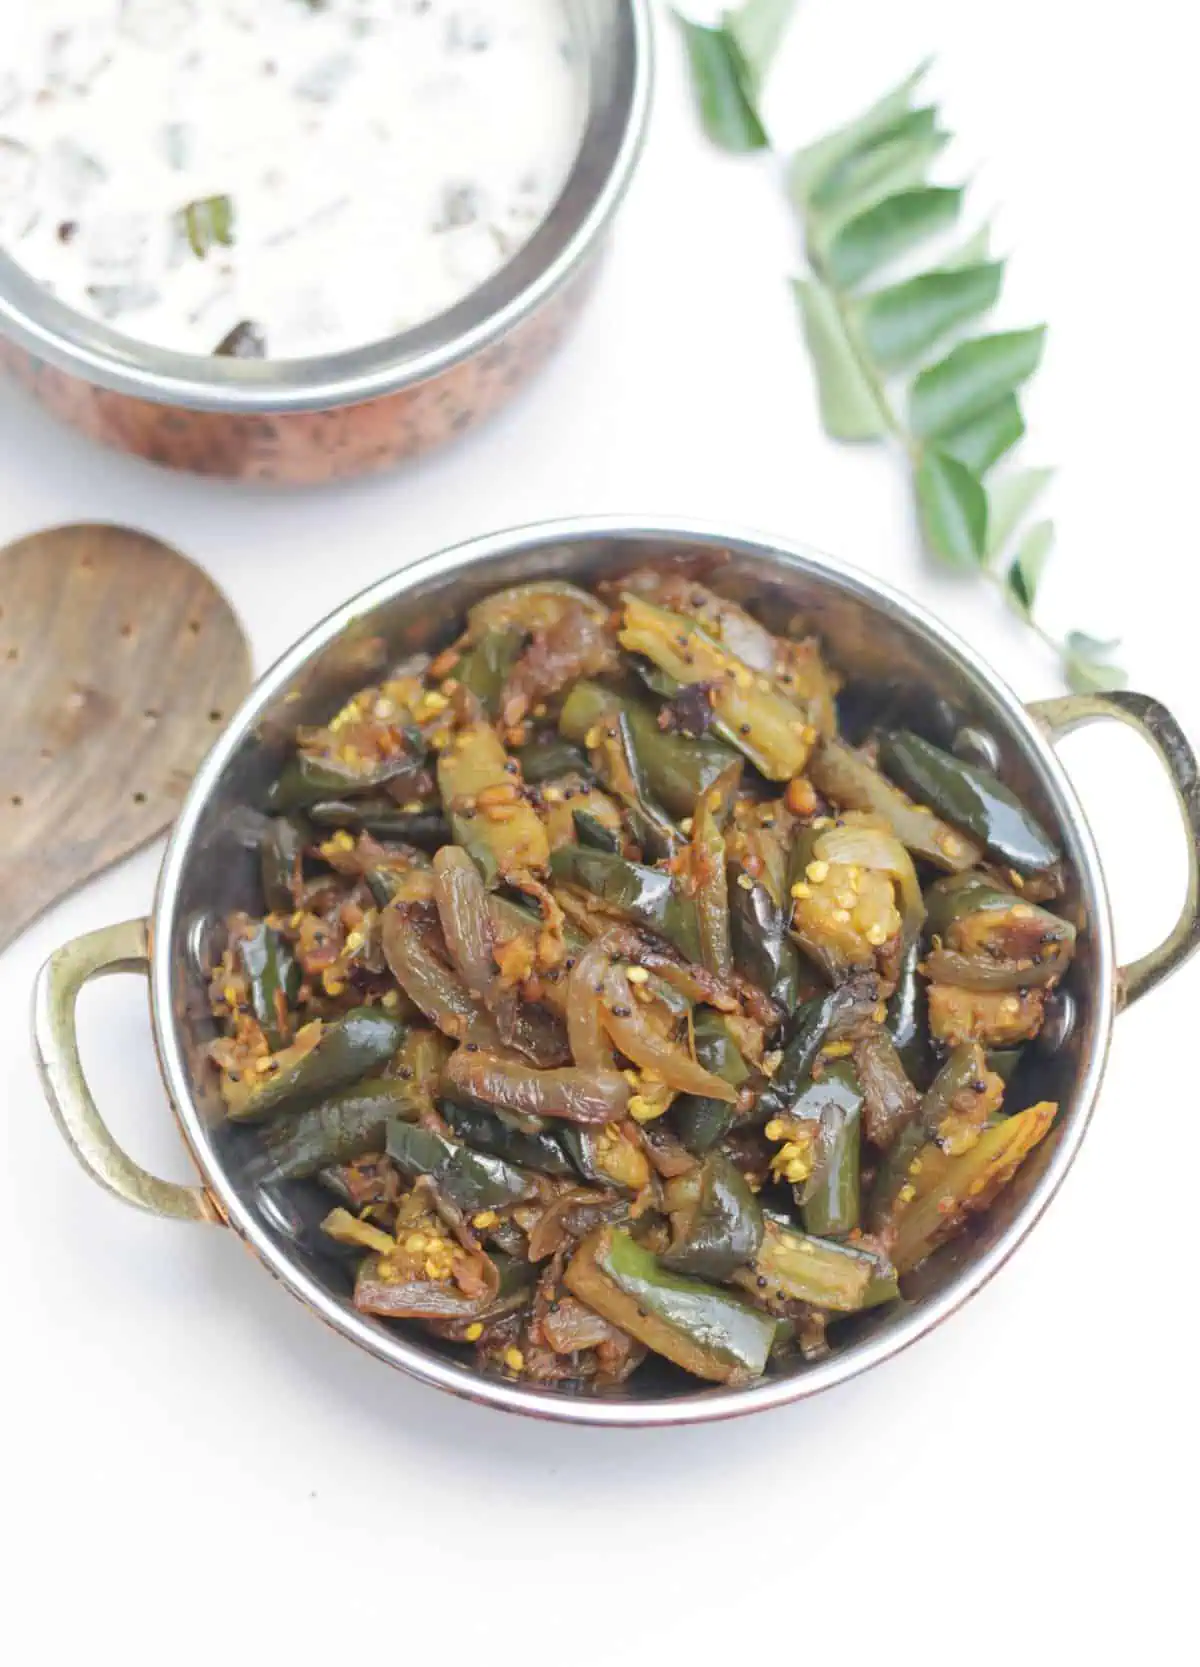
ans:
(832, 1206)
(306, 781)
(807, 1032)
(334, 1130)
(349, 1048)
(907, 1020)
(484, 667)
(471, 1180)
(797, 1267)
(972, 800)
(700, 1123)
(676, 768)
(723, 1229)
(763, 951)
(593, 834)
(281, 854)
(705, 1330)
(550, 757)
(538, 1149)
(273, 973)
(643, 894)
(383, 818)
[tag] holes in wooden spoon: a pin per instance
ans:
(139, 798)
(194, 627)
(215, 716)
(13, 654)
(16, 801)
(151, 714)
(126, 630)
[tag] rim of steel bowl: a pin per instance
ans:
(711, 1403)
(603, 168)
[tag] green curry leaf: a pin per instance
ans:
(904, 322)
(972, 376)
(720, 78)
(887, 230)
(953, 509)
(809, 167)
(1025, 572)
(757, 30)
(983, 440)
(1088, 663)
(850, 408)
(1009, 499)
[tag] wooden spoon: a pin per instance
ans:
(119, 663)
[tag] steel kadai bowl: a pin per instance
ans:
(350, 413)
(210, 868)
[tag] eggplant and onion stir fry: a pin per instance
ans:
(621, 1003)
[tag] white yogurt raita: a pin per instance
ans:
(280, 177)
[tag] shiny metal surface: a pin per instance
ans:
(872, 633)
(119, 389)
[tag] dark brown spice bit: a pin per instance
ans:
(67, 230)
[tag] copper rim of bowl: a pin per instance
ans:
(617, 118)
(714, 1402)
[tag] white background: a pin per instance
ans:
(195, 1466)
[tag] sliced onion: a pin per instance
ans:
(463, 912)
(626, 1022)
(984, 972)
(576, 1095)
(590, 1047)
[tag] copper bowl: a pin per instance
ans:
(211, 868)
(350, 413)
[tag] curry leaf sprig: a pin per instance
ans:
(864, 200)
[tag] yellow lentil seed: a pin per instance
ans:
(638, 975)
(391, 999)
(485, 1218)
(514, 1359)
(842, 916)
(876, 935)
(774, 1129)
(686, 825)
(416, 1242)
(800, 891)
(552, 795)
(817, 871)
(1022, 911)
(473, 1332)
(745, 882)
